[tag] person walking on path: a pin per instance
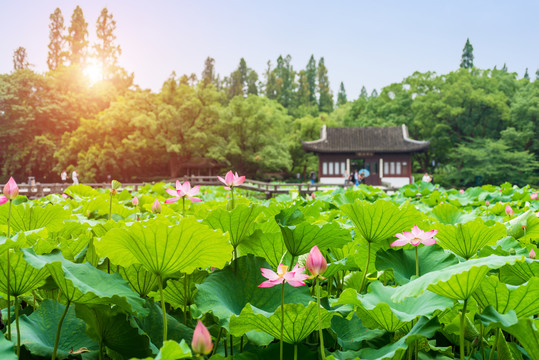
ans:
(75, 177)
(63, 176)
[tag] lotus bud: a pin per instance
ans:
(487, 203)
(3, 199)
(313, 195)
(11, 190)
(533, 196)
(509, 211)
(156, 206)
(135, 201)
(201, 343)
(461, 191)
(524, 227)
(532, 254)
(65, 196)
(316, 262)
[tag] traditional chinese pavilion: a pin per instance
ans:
(386, 152)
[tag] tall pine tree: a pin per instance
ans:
(20, 59)
(364, 94)
(78, 37)
(208, 74)
(106, 51)
(466, 61)
(325, 97)
(56, 55)
(270, 88)
(310, 72)
(526, 75)
(341, 96)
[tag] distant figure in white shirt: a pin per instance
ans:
(426, 178)
(63, 176)
(75, 177)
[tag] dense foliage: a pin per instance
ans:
(100, 276)
(61, 120)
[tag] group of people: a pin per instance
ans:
(355, 178)
(74, 177)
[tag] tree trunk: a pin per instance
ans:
(173, 165)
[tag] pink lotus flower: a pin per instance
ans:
(3, 199)
(509, 211)
(294, 277)
(461, 191)
(201, 344)
(11, 190)
(532, 254)
(533, 196)
(416, 237)
(183, 190)
(156, 206)
(487, 203)
(135, 201)
(65, 196)
(231, 180)
(316, 262)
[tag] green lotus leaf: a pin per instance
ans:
(526, 331)
(271, 352)
(490, 316)
(457, 281)
(424, 328)
(23, 277)
(269, 245)
(16, 241)
(524, 299)
(74, 239)
(115, 330)
(520, 272)
(299, 321)
(171, 350)
(81, 190)
(300, 238)
(83, 283)
(165, 250)
(381, 220)
(141, 281)
(227, 292)
(527, 219)
(239, 223)
(175, 290)
(152, 324)
(38, 331)
(451, 215)
(350, 333)
(376, 307)
(431, 258)
(7, 349)
(27, 216)
(466, 239)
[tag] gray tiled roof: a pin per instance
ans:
(365, 139)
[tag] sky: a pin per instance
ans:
(364, 43)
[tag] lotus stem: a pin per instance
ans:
(416, 263)
(217, 341)
(110, 205)
(241, 344)
(366, 267)
(462, 318)
(183, 209)
(232, 196)
(18, 330)
(100, 349)
(163, 309)
(295, 351)
(225, 345)
(8, 276)
(481, 330)
(322, 351)
(493, 349)
(58, 330)
(282, 321)
(231, 345)
(184, 299)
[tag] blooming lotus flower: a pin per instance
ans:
(294, 277)
(533, 196)
(65, 196)
(532, 254)
(3, 199)
(201, 344)
(316, 262)
(231, 180)
(461, 191)
(156, 206)
(416, 237)
(135, 201)
(11, 190)
(184, 190)
(509, 211)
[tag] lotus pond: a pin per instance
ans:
(96, 275)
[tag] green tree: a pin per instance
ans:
(364, 94)
(311, 74)
(238, 80)
(466, 61)
(270, 88)
(325, 97)
(341, 96)
(105, 49)
(56, 54)
(284, 79)
(252, 82)
(526, 75)
(374, 93)
(20, 59)
(208, 74)
(77, 38)
(249, 136)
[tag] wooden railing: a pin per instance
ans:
(269, 189)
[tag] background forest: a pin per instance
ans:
(482, 124)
